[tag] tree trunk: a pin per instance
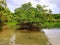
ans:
(0, 25)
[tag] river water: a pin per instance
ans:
(53, 35)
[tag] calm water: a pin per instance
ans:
(9, 37)
(53, 35)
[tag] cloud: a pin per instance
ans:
(13, 4)
(56, 3)
(53, 4)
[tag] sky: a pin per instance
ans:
(54, 5)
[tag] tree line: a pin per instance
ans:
(27, 14)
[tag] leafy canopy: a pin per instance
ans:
(27, 13)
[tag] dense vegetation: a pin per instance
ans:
(27, 14)
(5, 14)
(38, 15)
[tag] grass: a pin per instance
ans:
(31, 38)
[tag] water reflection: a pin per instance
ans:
(53, 35)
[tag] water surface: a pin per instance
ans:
(53, 35)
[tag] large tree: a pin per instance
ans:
(26, 13)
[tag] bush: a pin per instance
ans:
(57, 25)
(12, 25)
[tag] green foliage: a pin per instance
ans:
(1, 8)
(5, 16)
(12, 25)
(56, 16)
(26, 13)
(57, 25)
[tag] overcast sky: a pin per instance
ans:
(54, 5)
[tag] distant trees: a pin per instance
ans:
(28, 15)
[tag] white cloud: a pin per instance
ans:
(12, 4)
(53, 4)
